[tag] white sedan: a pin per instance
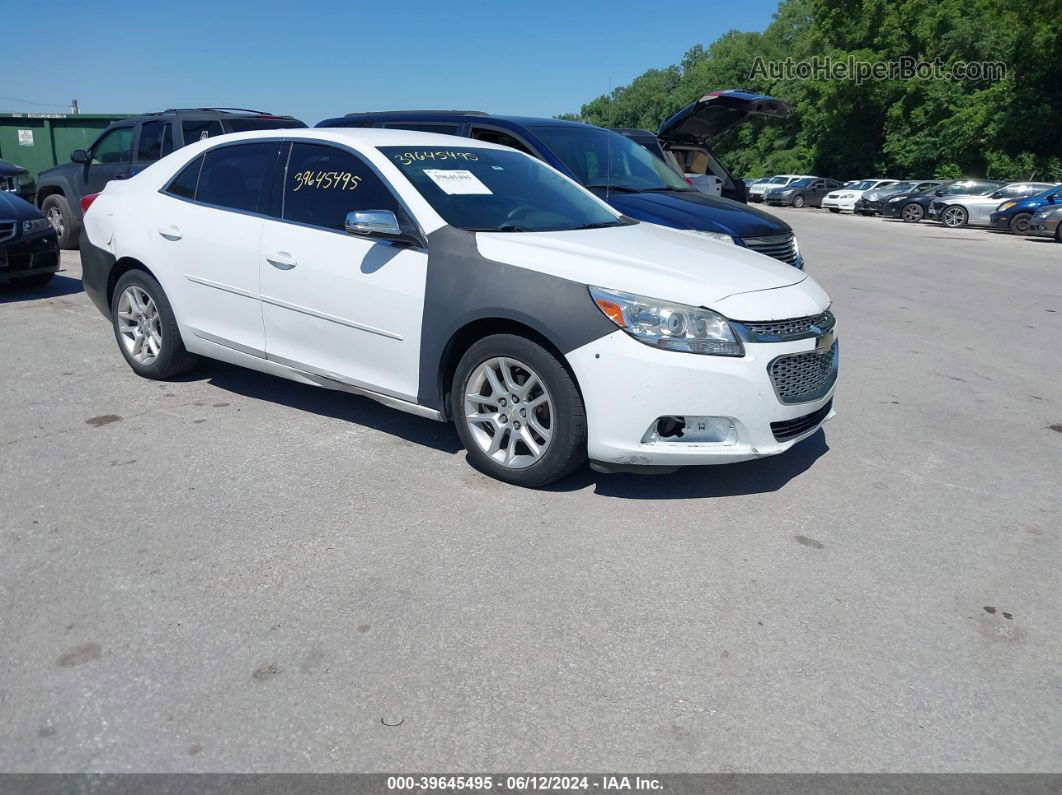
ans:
(845, 199)
(976, 210)
(462, 281)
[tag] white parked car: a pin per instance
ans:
(845, 198)
(466, 281)
(757, 189)
(976, 210)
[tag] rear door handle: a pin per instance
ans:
(171, 232)
(282, 260)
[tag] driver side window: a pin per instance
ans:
(113, 147)
(322, 184)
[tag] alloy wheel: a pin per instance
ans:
(912, 212)
(509, 412)
(55, 218)
(954, 217)
(138, 324)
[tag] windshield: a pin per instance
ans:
(493, 190)
(802, 183)
(900, 187)
(776, 180)
(587, 152)
(864, 185)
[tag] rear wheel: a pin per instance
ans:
(953, 217)
(57, 210)
(798, 200)
(146, 328)
(518, 411)
(912, 213)
(1019, 224)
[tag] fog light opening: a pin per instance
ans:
(691, 430)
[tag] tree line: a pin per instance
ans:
(999, 127)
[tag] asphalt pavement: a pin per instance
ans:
(233, 572)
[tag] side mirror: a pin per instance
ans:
(380, 224)
(1052, 198)
(80, 156)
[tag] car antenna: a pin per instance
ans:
(608, 143)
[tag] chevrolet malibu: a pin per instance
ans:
(462, 281)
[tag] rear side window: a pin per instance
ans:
(233, 176)
(499, 137)
(323, 184)
(183, 184)
(200, 129)
(155, 141)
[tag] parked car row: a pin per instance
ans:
(1020, 208)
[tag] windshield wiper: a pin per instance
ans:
(600, 225)
(502, 228)
(614, 188)
(666, 188)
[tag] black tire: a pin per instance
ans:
(799, 201)
(172, 359)
(912, 213)
(34, 282)
(566, 449)
(834, 209)
(57, 210)
(1058, 233)
(1019, 224)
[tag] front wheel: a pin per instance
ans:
(56, 209)
(834, 209)
(146, 328)
(1019, 224)
(954, 217)
(798, 201)
(518, 411)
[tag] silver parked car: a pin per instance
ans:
(956, 211)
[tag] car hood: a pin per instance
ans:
(10, 168)
(14, 208)
(696, 210)
(715, 113)
(654, 261)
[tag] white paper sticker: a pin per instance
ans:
(25, 137)
(456, 182)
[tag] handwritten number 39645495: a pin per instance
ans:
(326, 180)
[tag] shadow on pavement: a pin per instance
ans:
(12, 292)
(327, 403)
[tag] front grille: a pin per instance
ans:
(782, 247)
(784, 330)
(790, 429)
(875, 205)
(803, 377)
(7, 229)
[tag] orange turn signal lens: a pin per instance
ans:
(612, 310)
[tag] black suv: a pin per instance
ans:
(129, 146)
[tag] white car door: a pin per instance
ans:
(338, 305)
(208, 231)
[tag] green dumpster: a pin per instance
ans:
(37, 141)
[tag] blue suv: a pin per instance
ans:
(624, 174)
(1015, 214)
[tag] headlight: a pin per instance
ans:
(895, 199)
(1005, 206)
(674, 327)
(35, 226)
(722, 237)
(25, 179)
(847, 195)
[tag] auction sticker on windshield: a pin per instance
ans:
(457, 182)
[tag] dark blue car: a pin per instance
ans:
(1014, 215)
(635, 182)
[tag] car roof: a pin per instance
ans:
(449, 115)
(367, 136)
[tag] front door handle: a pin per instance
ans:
(171, 232)
(282, 260)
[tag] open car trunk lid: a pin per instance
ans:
(715, 113)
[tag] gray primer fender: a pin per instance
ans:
(463, 286)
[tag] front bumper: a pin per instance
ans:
(839, 204)
(999, 221)
(1043, 227)
(869, 207)
(22, 256)
(627, 386)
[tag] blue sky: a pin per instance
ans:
(316, 60)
